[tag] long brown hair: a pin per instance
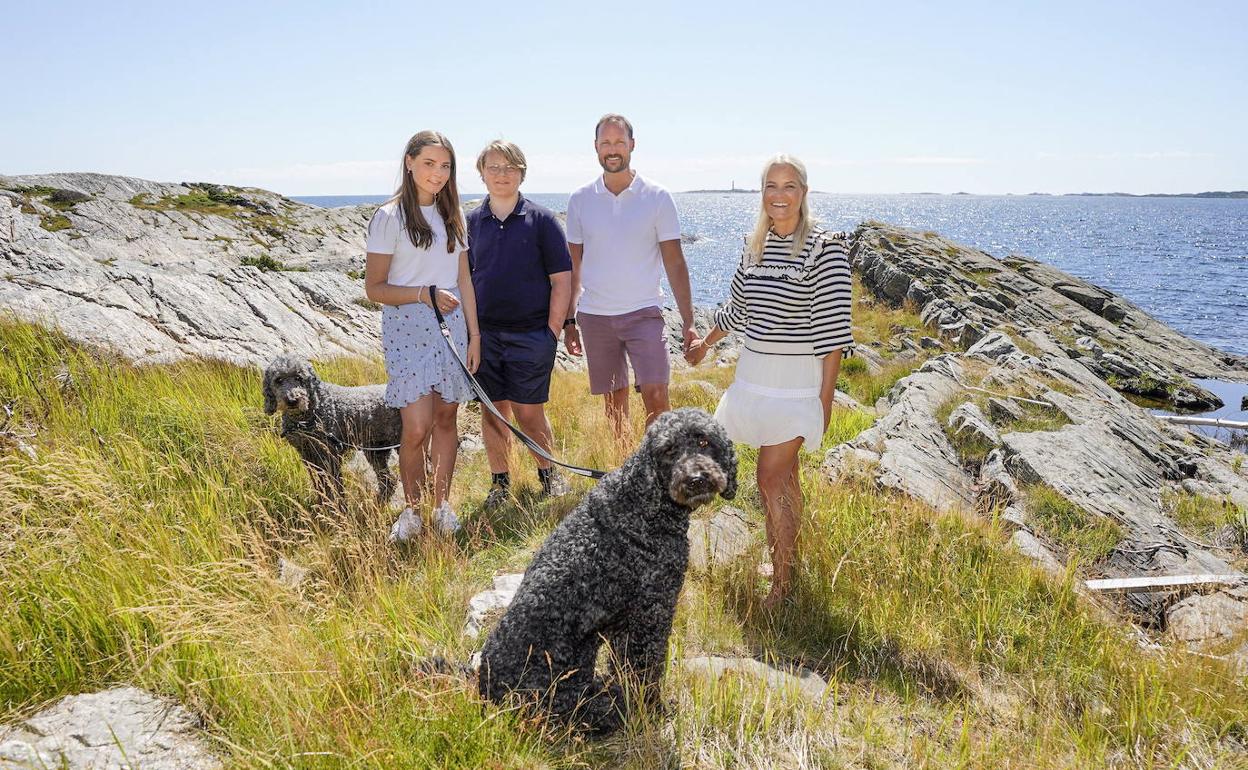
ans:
(447, 199)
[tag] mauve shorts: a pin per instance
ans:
(607, 339)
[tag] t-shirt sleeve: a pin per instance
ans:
(469, 223)
(667, 224)
(830, 323)
(574, 221)
(554, 246)
(383, 233)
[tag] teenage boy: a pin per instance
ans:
(623, 233)
(521, 273)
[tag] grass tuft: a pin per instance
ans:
(270, 264)
(55, 223)
(1085, 535)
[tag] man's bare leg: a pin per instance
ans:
(656, 400)
(616, 403)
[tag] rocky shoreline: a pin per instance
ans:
(1026, 405)
(1028, 417)
(1025, 409)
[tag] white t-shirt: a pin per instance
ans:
(412, 266)
(621, 266)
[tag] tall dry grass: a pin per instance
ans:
(143, 546)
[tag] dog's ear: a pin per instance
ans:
(270, 398)
(309, 380)
(646, 461)
(307, 372)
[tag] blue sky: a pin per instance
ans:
(314, 98)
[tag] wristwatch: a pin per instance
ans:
(569, 322)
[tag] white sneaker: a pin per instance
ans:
(406, 527)
(445, 520)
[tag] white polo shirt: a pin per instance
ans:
(621, 266)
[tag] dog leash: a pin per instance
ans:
(487, 403)
(333, 441)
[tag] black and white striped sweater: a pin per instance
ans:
(793, 306)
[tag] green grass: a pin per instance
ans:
(982, 276)
(1089, 537)
(1203, 516)
(216, 200)
(270, 264)
(141, 547)
(53, 197)
(1036, 418)
(197, 201)
(55, 223)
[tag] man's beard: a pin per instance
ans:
(604, 162)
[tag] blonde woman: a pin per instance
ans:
(790, 299)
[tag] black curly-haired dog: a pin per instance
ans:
(611, 571)
(323, 422)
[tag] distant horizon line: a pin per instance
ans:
(1213, 194)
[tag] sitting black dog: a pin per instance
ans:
(611, 571)
(323, 422)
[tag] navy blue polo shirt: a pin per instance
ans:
(512, 262)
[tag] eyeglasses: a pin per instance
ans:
(497, 170)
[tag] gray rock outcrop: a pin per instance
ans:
(1037, 426)
(719, 540)
(802, 682)
(159, 272)
(1209, 618)
(486, 607)
(965, 294)
(120, 727)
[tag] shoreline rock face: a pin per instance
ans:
(1079, 469)
(159, 272)
(966, 293)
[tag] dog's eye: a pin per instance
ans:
(703, 443)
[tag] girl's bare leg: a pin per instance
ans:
(417, 424)
(444, 447)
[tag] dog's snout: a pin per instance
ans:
(700, 483)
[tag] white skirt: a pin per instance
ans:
(774, 399)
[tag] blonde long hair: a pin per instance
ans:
(447, 199)
(758, 239)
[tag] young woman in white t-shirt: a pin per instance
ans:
(417, 240)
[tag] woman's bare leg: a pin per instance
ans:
(780, 486)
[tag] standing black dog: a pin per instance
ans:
(323, 422)
(611, 571)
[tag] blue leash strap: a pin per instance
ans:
(486, 403)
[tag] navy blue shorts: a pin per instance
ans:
(516, 366)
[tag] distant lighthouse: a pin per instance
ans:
(734, 185)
